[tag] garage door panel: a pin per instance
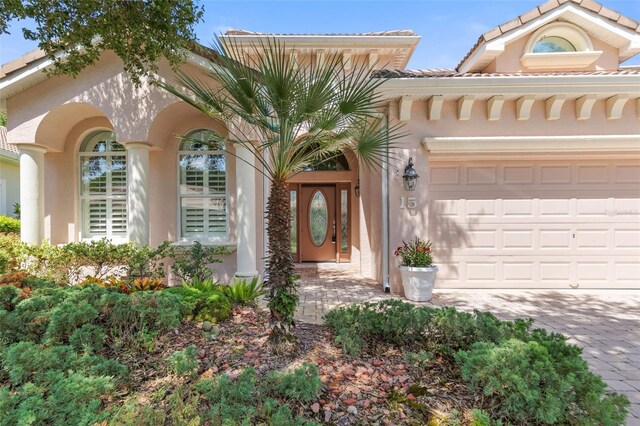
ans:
(546, 224)
(518, 272)
(555, 239)
(481, 271)
(627, 238)
(590, 239)
(517, 239)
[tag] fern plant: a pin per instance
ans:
(241, 292)
(202, 285)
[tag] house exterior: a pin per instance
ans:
(9, 175)
(528, 154)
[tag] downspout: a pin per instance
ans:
(385, 211)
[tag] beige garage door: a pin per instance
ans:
(535, 224)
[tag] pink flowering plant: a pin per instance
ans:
(416, 253)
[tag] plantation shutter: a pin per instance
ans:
(104, 187)
(203, 190)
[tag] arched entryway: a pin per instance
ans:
(324, 216)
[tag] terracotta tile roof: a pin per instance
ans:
(544, 8)
(393, 33)
(4, 144)
(445, 72)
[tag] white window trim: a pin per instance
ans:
(83, 225)
(207, 240)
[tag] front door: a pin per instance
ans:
(318, 223)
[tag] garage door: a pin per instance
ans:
(535, 224)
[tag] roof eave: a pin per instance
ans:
(486, 50)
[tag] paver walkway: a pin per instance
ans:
(606, 324)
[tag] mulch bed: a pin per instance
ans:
(374, 388)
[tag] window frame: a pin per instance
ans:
(83, 222)
(206, 239)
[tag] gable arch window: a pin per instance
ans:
(103, 187)
(339, 163)
(202, 189)
(559, 46)
(553, 44)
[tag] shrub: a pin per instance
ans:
(243, 401)
(184, 362)
(192, 263)
(243, 293)
(54, 385)
(528, 384)
(302, 384)
(230, 402)
(89, 338)
(9, 225)
(4, 262)
(443, 330)
(202, 302)
(14, 249)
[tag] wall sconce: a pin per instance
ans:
(357, 188)
(410, 176)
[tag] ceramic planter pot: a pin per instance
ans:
(418, 282)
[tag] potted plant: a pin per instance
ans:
(417, 269)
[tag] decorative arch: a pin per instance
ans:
(56, 127)
(178, 118)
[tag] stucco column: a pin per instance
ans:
(138, 192)
(31, 193)
(246, 213)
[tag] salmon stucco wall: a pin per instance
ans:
(407, 223)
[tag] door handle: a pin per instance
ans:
(333, 237)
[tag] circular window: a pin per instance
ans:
(553, 44)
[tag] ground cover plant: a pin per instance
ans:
(125, 350)
(525, 376)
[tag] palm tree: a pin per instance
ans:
(296, 116)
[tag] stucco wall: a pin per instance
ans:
(10, 180)
(405, 223)
(509, 60)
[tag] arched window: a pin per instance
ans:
(553, 44)
(559, 46)
(202, 190)
(338, 163)
(103, 186)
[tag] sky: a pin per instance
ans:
(449, 28)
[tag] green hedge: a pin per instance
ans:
(9, 225)
(525, 376)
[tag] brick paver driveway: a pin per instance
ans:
(606, 324)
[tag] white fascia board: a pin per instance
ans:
(487, 52)
(532, 144)
(320, 41)
(516, 85)
(24, 77)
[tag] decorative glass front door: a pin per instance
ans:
(318, 226)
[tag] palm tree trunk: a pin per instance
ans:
(283, 296)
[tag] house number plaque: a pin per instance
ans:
(408, 202)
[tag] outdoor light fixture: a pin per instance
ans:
(357, 188)
(410, 176)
